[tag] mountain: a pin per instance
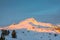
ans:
(32, 24)
(28, 30)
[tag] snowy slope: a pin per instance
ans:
(30, 29)
(32, 24)
(24, 34)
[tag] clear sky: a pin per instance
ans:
(13, 11)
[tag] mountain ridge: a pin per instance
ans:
(26, 24)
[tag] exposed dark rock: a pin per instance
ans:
(55, 35)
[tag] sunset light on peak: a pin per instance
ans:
(29, 19)
(26, 24)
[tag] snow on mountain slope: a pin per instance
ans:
(24, 34)
(26, 31)
(26, 24)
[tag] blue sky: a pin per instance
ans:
(13, 11)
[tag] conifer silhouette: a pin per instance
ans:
(2, 37)
(13, 34)
(5, 32)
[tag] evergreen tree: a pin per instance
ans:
(5, 32)
(2, 37)
(8, 32)
(13, 34)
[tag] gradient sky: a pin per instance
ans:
(13, 11)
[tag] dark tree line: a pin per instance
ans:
(6, 33)
(2, 37)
